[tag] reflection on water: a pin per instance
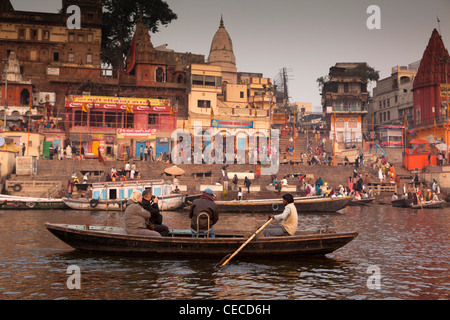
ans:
(409, 246)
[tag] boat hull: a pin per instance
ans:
(402, 203)
(95, 204)
(361, 202)
(28, 203)
(116, 241)
(303, 205)
(165, 203)
(429, 205)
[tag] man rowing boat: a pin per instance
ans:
(288, 218)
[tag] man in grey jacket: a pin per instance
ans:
(135, 217)
(205, 212)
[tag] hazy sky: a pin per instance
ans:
(305, 36)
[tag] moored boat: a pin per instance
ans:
(165, 203)
(121, 190)
(402, 203)
(303, 204)
(180, 243)
(363, 201)
(429, 205)
(25, 203)
(95, 204)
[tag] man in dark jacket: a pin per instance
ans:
(150, 204)
(206, 212)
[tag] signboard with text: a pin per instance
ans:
(231, 124)
(118, 103)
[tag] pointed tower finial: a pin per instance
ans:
(221, 22)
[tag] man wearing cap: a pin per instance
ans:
(205, 212)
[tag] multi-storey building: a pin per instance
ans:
(220, 97)
(344, 102)
(392, 97)
(62, 67)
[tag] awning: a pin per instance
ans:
(84, 137)
(441, 147)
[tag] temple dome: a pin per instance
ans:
(221, 52)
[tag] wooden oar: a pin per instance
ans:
(227, 258)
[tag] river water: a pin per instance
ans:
(408, 249)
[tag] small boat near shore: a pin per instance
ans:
(402, 203)
(112, 195)
(8, 202)
(165, 203)
(303, 205)
(96, 204)
(179, 243)
(429, 205)
(361, 202)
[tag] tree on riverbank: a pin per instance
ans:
(119, 23)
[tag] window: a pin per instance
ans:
(71, 57)
(71, 37)
(112, 120)
(56, 56)
(89, 58)
(25, 97)
(204, 104)
(352, 123)
(180, 79)
(197, 79)
(340, 123)
(90, 37)
(21, 34)
(33, 34)
(129, 122)
(45, 35)
(80, 37)
(159, 75)
(242, 94)
(96, 119)
(210, 81)
(152, 119)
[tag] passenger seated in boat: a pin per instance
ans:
(435, 198)
(204, 213)
(394, 197)
(288, 218)
(150, 203)
(135, 217)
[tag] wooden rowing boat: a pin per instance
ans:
(303, 204)
(402, 203)
(363, 201)
(27, 203)
(429, 205)
(180, 243)
(165, 203)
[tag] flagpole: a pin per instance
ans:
(125, 135)
(29, 125)
(373, 138)
(81, 134)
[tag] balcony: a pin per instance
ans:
(346, 109)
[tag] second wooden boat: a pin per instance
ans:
(303, 204)
(27, 203)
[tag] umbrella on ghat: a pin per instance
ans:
(174, 171)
